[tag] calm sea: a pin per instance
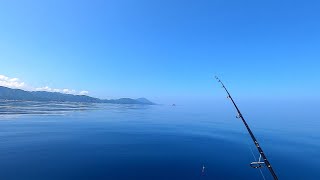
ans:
(59, 141)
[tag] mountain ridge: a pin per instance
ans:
(22, 95)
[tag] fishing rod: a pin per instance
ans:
(265, 160)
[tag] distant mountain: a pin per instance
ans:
(144, 101)
(21, 95)
(128, 101)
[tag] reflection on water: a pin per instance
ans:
(45, 108)
(53, 140)
(56, 108)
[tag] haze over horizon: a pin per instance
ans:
(162, 50)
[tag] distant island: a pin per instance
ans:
(22, 95)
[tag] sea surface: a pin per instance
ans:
(60, 141)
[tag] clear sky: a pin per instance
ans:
(163, 49)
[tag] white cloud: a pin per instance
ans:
(46, 88)
(83, 92)
(12, 82)
(65, 91)
(15, 83)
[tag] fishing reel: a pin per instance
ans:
(257, 164)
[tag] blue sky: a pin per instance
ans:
(163, 49)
